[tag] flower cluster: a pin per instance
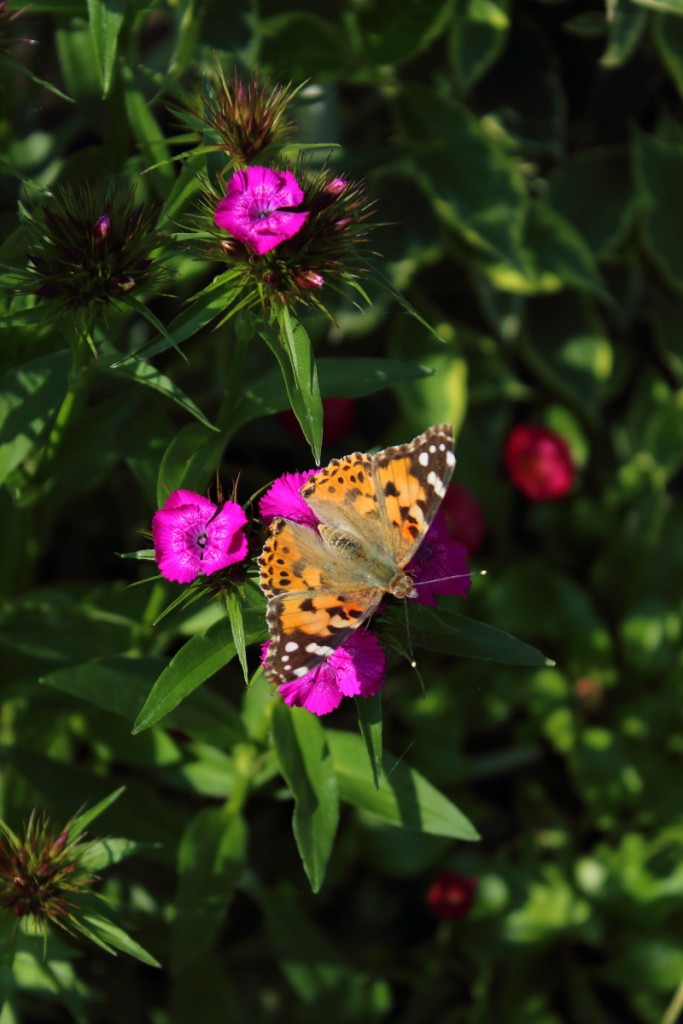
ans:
(283, 233)
(43, 872)
(90, 246)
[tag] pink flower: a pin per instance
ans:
(451, 896)
(539, 462)
(192, 536)
(464, 517)
(356, 669)
(283, 499)
(253, 209)
(439, 566)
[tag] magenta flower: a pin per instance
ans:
(254, 209)
(439, 566)
(539, 462)
(283, 499)
(192, 536)
(356, 669)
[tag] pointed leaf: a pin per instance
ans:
(404, 798)
(29, 396)
(80, 823)
(369, 710)
(106, 17)
(141, 372)
(451, 633)
(307, 767)
(200, 658)
(234, 607)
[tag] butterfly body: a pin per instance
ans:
(374, 513)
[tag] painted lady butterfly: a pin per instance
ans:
(374, 513)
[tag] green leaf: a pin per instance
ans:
(369, 710)
(668, 37)
(568, 347)
(672, 6)
(81, 822)
(120, 685)
(555, 257)
(210, 856)
(475, 187)
(404, 798)
(477, 38)
(104, 853)
(29, 398)
(96, 926)
(205, 307)
(659, 169)
(234, 609)
(625, 27)
(451, 633)
(594, 190)
(306, 765)
(141, 372)
(300, 377)
(339, 378)
(148, 134)
(189, 460)
(105, 17)
(393, 33)
(196, 661)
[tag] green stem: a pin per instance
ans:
(63, 417)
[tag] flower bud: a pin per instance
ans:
(451, 896)
(539, 462)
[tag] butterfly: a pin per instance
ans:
(374, 513)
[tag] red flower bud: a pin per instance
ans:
(451, 896)
(539, 462)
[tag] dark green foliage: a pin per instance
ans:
(525, 162)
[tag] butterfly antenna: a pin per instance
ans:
(399, 759)
(456, 576)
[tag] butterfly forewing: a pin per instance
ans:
(411, 480)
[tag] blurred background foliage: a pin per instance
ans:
(526, 159)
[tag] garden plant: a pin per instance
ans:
(341, 547)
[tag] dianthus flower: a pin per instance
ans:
(283, 498)
(192, 536)
(539, 462)
(255, 208)
(439, 566)
(356, 669)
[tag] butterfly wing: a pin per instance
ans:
(411, 480)
(315, 600)
(387, 501)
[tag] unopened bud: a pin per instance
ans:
(102, 228)
(336, 186)
(309, 279)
